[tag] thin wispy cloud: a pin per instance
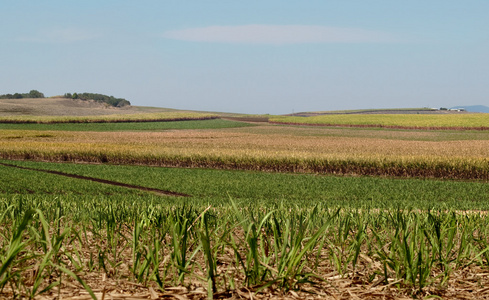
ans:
(279, 34)
(65, 35)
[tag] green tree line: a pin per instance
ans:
(111, 100)
(31, 94)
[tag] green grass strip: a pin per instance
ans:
(267, 189)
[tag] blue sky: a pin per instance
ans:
(251, 56)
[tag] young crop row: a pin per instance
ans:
(214, 187)
(253, 149)
(416, 121)
(229, 251)
(114, 118)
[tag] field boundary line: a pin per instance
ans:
(105, 181)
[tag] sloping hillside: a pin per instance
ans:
(65, 107)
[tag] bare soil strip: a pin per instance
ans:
(115, 183)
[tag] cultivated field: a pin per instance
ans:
(266, 148)
(472, 121)
(247, 210)
(112, 118)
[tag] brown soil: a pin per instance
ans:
(470, 282)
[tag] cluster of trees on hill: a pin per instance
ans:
(31, 94)
(111, 100)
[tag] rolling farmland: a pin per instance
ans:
(222, 209)
(279, 148)
(407, 121)
(112, 118)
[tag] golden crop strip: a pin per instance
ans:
(393, 120)
(258, 148)
(141, 117)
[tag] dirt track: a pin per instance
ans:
(142, 188)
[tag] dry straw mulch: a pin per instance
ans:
(470, 284)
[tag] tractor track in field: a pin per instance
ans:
(110, 182)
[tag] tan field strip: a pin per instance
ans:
(457, 121)
(398, 153)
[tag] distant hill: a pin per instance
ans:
(371, 111)
(60, 106)
(474, 108)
